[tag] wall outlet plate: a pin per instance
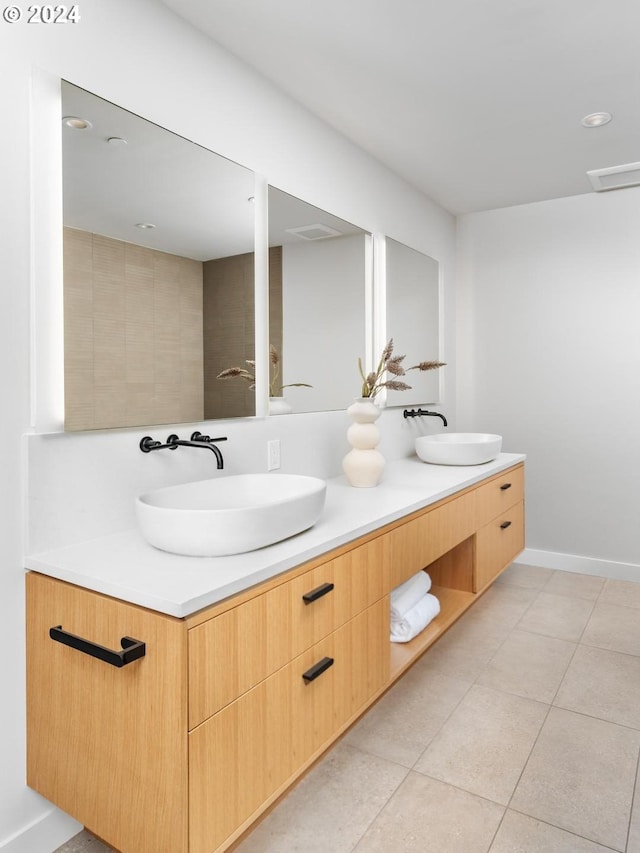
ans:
(273, 454)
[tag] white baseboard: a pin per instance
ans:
(583, 565)
(43, 835)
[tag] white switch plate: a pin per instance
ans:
(273, 454)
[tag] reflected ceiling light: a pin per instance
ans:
(77, 123)
(116, 140)
(596, 119)
(145, 225)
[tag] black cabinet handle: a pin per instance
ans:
(131, 649)
(505, 524)
(317, 593)
(317, 669)
(505, 486)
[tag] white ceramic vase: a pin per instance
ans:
(279, 406)
(363, 464)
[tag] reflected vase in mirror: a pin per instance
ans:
(279, 406)
(363, 464)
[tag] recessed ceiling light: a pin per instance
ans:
(116, 140)
(77, 123)
(145, 225)
(596, 119)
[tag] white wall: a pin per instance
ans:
(140, 56)
(549, 356)
(323, 323)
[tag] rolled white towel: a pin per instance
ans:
(404, 597)
(415, 620)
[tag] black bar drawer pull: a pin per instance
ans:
(131, 649)
(317, 669)
(505, 524)
(505, 486)
(317, 593)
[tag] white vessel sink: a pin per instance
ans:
(229, 515)
(458, 448)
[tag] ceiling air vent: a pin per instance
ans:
(313, 232)
(615, 177)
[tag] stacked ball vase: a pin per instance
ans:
(363, 464)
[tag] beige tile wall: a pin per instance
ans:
(229, 329)
(133, 334)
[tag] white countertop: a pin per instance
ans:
(124, 566)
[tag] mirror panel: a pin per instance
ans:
(323, 269)
(152, 314)
(413, 319)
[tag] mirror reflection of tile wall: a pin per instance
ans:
(133, 334)
(144, 212)
(229, 329)
(147, 333)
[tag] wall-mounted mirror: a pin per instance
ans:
(322, 265)
(158, 272)
(413, 319)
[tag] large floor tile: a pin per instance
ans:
(467, 647)
(402, 724)
(485, 743)
(577, 585)
(426, 816)
(580, 777)
(614, 627)
(529, 665)
(331, 807)
(504, 604)
(84, 842)
(603, 684)
(519, 833)
(624, 593)
(633, 844)
(558, 616)
(528, 576)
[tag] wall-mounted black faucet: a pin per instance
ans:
(420, 413)
(147, 444)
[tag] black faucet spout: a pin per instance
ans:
(419, 413)
(147, 444)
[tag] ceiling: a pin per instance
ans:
(477, 103)
(197, 201)
(199, 208)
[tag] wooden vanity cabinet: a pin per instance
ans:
(500, 525)
(246, 754)
(182, 750)
(107, 744)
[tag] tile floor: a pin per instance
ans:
(518, 732)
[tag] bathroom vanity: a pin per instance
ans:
(183, 748)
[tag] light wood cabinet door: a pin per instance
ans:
(331, 594)
(497, 544)
(108, 744)
(500, 493)
(231, 653)
(236, 650)
(421, 541)
(248, 753)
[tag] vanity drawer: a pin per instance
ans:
(250, 750)
(497, 544)
(358, 579)
(421, 541)
(494, 497)
(235, 651)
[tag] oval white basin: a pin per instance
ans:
(458, 448)
(229, 515)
